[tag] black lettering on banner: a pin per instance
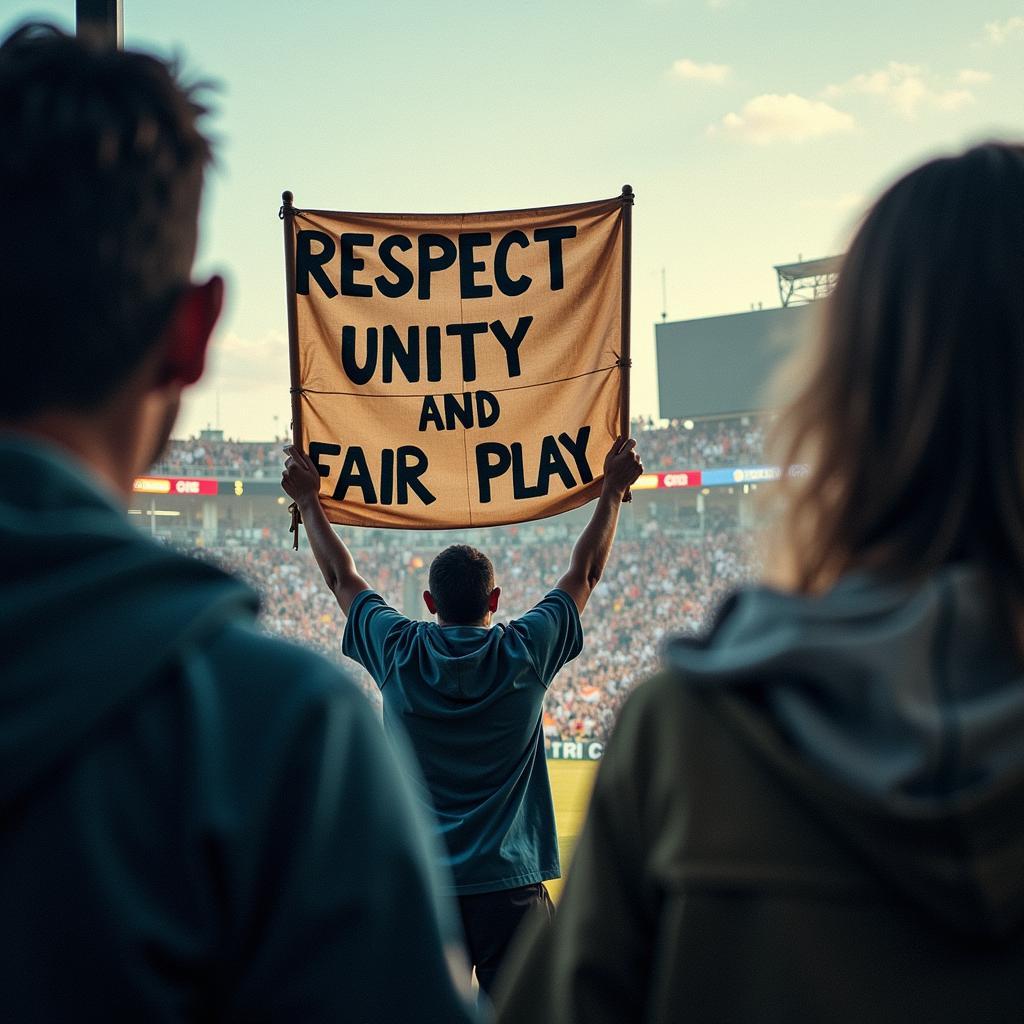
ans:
(487, 409)
(350, 263)
(430, 414)
(482, 403)
(434, 354)
(511, 342)
(312, 263)
(488, 468)
(432, 264)
(494, 460)
(578, 450)
(387, 476)
(403, 275)
(355, 473)
(454, 409)
(392, 351)
(412, 464)
(356, 373)
(318, 448)
(551, 461)
(469, 268)
(467, 332)
(507, 285)
(554, 237)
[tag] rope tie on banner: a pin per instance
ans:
(294, 528)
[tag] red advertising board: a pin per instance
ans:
(182, 486)
(656, 481)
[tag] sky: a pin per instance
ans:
(753, 132)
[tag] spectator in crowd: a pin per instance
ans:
(199, 822)
(470, 698)
(817, 811)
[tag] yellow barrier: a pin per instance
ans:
(571, 783)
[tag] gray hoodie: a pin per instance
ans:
(911, 699)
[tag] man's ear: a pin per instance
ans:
(188, 332)
(493, 599)
(428, 600)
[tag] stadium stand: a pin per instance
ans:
(650, 588)
(667, 444)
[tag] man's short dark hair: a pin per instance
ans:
(101, 170)
(461, 581)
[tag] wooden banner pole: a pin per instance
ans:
(287, 215)
(625, 361)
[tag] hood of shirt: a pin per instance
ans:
(898, 712)
(92, 612)
(463, 663)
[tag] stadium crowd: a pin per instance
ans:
(200, 456)
(667, 444)
(649, 590)
(702, 444)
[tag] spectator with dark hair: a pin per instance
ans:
(470, 698)
(816, 813)
(199, 822)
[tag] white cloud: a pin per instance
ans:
(968, 76)
(251, 360)
(694, 71)
(999, 32)
(905, 87)
(790, 118)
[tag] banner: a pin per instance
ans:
(458, 370)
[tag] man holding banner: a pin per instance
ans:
(452, 371)
(470, 698)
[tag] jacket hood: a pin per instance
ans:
(91, 611)
(898, 711)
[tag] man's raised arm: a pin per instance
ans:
(301, 481)
(622, 466)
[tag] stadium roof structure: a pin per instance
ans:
(807, 280)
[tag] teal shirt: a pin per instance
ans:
(471, 701)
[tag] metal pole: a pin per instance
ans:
(103, 18)
(625, 360)
(288, 216)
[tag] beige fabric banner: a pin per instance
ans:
(459, 370)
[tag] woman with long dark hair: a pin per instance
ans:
(816, 812)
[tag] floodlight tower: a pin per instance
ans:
(807, 280)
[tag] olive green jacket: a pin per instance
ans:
(815, 814)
